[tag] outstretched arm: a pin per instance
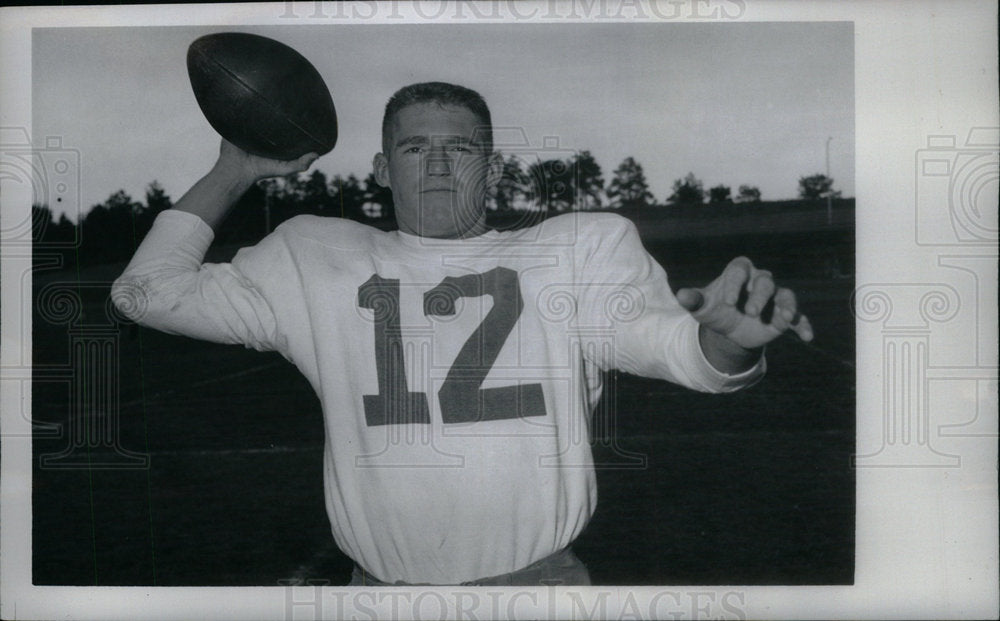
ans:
(741, 311)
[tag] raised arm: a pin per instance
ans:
(167, 287)
(234, 172)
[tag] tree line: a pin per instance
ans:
(110, 231)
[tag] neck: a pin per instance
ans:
(476, 229)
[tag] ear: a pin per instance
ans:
(380, 164)
(495, 171)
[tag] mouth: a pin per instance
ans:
(432, 190)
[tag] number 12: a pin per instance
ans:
(461, 396)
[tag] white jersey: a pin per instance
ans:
(456, 377)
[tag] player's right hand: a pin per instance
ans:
(253, 168)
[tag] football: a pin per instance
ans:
(262, 95)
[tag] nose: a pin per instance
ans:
(438, 164)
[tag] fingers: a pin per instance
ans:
(287, 167)
(761, 289)
(742, 281)
(691, 299)
(786, 307)
(266, 167)
(762, 295)
(803, 328)
(750, 293)
(787, 316)
(734, 278)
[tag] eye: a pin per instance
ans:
(414, 149)
(460, 148)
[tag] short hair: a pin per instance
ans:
(441, 93)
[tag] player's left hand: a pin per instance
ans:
(744, 305)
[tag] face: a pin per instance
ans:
(438, 176)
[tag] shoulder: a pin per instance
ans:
(328, 231)
(580, 226)
(304, 236)
(583, 228)
(311, 226)
(604, 222)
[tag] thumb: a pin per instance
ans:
(304, 162)
(690, 299)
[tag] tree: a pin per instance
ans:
(748, 194)
(513, 191)
(283, 199)
(41, 223)
(629, 189)
(107, 232)
(719, 194)
(687, 191)
(51, 238)
(553, 184)
(121, 204)
(315, 194)
(157, 201)
(346, 197)
(246, 222)
(376, 200)
(587, 180)
(816, 186)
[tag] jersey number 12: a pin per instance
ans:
(461, 396)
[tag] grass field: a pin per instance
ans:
(750, 488)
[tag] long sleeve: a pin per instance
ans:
(652, 335)
(167, 287)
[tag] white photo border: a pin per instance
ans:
(927, 534)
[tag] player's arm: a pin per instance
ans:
(166, 285)
(739, 313)
(705, 339)
(213, 196)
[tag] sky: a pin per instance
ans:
(733, 103)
